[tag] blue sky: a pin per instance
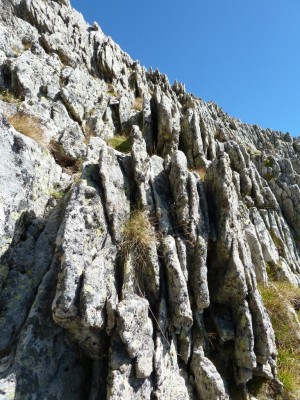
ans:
(242, 54)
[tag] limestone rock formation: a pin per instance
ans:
(177, 314)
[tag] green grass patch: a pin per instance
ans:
(268, 163)
(121, 143)
(268, 177)
(57, 194)
(279, 298)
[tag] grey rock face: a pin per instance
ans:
(28, 175)
(209, 383)
(135, 328)
(177, 316)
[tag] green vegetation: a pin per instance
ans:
(268, 163)
(280, 299)
(270, 270)
(253, 152)
(57, 194)
(121, 143)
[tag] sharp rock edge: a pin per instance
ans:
(178, 316)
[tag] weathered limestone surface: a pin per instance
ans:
(79, 319)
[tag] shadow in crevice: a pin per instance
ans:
(38, 360)
(69, 164)
(20, 276)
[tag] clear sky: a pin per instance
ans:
(242, 54)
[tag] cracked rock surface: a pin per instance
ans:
(177, 317)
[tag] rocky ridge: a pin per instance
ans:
(178, 315)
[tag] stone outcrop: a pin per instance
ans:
(178, 317)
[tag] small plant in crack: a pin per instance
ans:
(138, 104)
(121, 143)
(69, 164)
(8, 96)
(201, 171)
(138, 234)
(111, 90)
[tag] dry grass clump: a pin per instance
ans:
(32, 127)
(27, 46)
(137, 235)
(121, 143)
(138, 104)
(279, 299)
(8, 96)
(89, 132)
(29, 126)
(201, 171)
(69, 165)
(111, 90)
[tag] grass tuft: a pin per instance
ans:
(7, 96)
(268, 163)
(57, 194)
(279, 299)
(29, 126)
(137, 236)
(121, 143)
(111, 90)
(268, 177)
(138, 104)
(201, 171)
(32, 127)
